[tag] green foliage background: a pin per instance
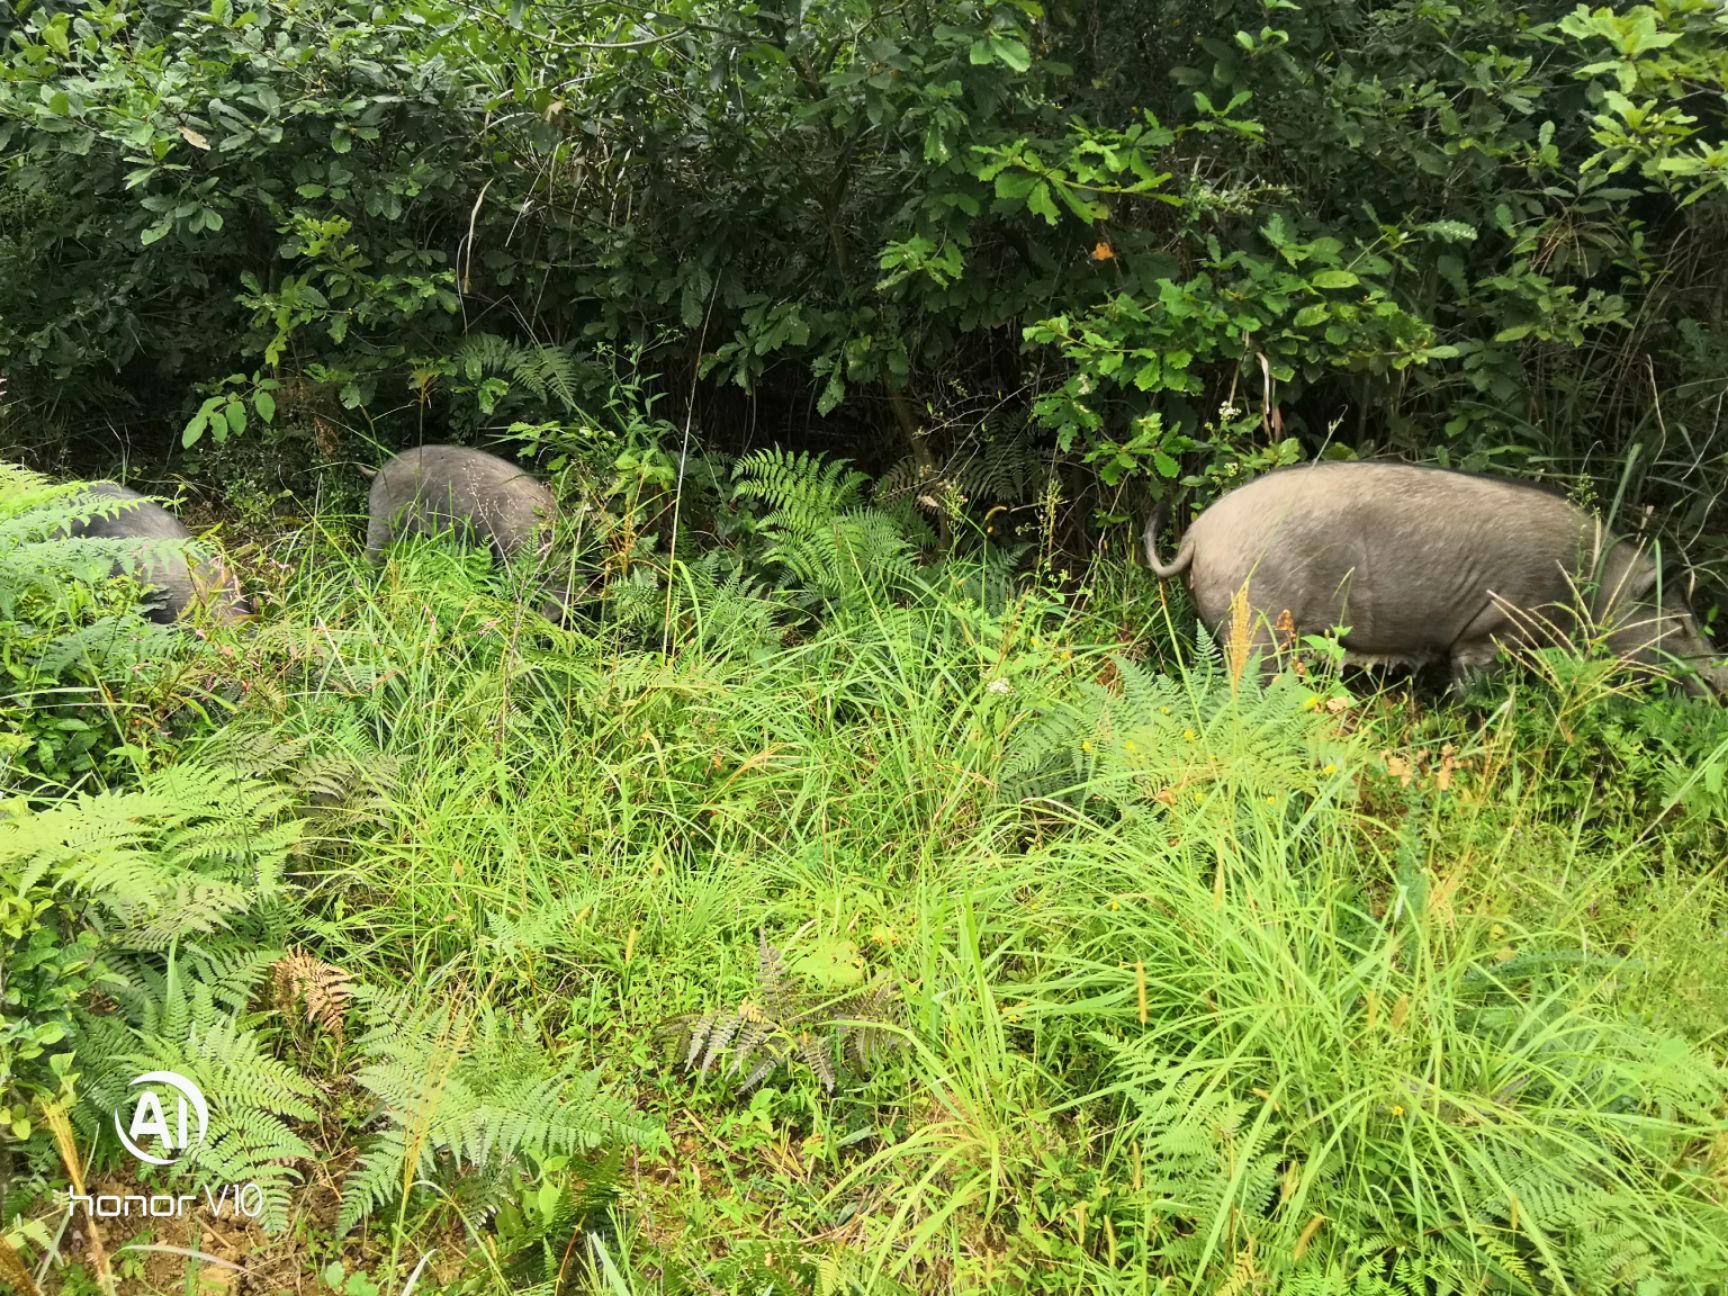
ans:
(1483, 234)
(1169, 982)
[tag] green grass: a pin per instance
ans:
(1182, 985)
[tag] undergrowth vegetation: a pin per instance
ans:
(828, 913)
(875, 884)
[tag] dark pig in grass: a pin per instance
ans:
(1425, 564)
(182, 579)
(443, 489)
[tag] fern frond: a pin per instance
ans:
(474, 1098)
(183, 1021)
(551, 374)
(786, 1021)
(801, 490)
(324, 989)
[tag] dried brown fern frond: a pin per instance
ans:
(12, 1270)
(1239, 642)
(303, 978)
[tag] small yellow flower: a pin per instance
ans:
(1397, 1109)
(1271, 800)
(1188, 734)
(1086, 746)
(1066, 655)
(1128, 745)
(1330, 769)
(1312, 702)
(1198, 794)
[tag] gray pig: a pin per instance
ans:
(1423, 564)
(432, 490)
(162, 560)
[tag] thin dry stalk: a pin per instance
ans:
(61, 1127)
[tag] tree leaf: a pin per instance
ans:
(1041, 204)
(1011, 51)
(54, 35)
(832, 394)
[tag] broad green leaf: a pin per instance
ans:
(54, 35)
(833, 392)
(1011, 51)
(833, 964)
(1040, 203)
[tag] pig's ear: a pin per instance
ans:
(1627, 574)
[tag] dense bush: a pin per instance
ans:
(1482, 233)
